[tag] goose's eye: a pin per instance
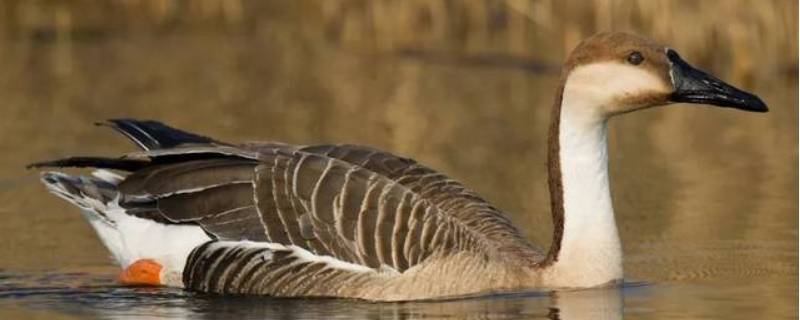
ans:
(635, 58)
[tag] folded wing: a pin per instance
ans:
(355, 204)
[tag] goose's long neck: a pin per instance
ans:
(586, 249)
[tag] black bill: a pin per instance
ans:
(695, 86)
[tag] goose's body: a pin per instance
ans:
(342, 221)
(352, 221)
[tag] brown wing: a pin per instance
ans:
(448, 195)
(356, 204)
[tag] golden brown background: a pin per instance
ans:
(706, 198)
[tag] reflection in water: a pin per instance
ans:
(65, 293)
(605, 303)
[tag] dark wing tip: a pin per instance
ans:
(151, 134)
(91, 162)
(34, 165)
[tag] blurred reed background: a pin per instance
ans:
(464, 86)
(722, 32)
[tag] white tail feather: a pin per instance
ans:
(108, 176)
(127, 237)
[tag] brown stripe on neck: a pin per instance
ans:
(554, 179)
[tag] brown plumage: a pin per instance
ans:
(356, 204)
(554, 179)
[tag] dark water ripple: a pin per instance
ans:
(96, 296)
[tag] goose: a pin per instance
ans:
(349, 221)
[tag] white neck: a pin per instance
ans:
(590, 252)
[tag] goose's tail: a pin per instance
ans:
(138, 237)
(132, 241)
(91, 194)
(97, 198)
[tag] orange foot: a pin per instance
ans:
(143, 272)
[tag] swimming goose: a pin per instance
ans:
(355, 222)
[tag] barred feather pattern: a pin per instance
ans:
(356, 204)
(235, 267)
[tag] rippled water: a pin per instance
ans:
(705, 198)
(81, 294)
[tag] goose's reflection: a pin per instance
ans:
(120, 303)
(585, 304)
(600, 303)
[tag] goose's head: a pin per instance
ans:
(618, 72)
